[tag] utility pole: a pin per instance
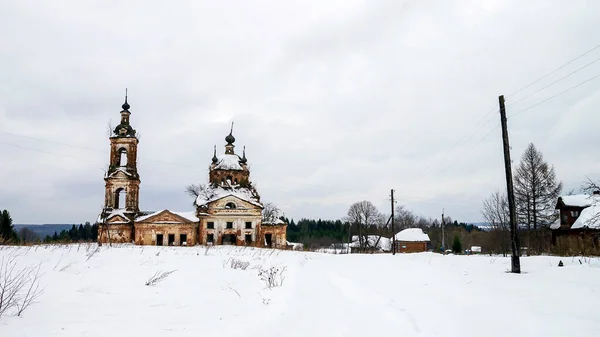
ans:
(514, 237)
(393, 231)
(443, 234)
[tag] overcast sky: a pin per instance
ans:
(337, 101)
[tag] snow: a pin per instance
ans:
(589, 217)
(228, 162)
(579, 200)
(412, 235)
(211, 194)
(476, 249)
(191, 216)
(115, 212)
(383, 244)
(420, 294)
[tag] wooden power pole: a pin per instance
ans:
(443, 234)
(514, 237)
(393, 231)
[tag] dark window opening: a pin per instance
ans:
(120, 198)
(210, 225)
(210, 238)
(230, 225)
(159, 239)
(183, 239)
(248, 239)
(268, 240)
(248, 225)
(228, 239)
(230, 205)
(171, 239)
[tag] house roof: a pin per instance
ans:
(412, 235)
(589, 217)
(191, 216)
(577, 200)
(383, 244)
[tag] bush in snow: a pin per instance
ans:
(236, 263)
(273, 276)
(158, 276)
(18, 288)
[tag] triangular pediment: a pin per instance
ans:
(164, 216)
(119, 174)
(117, 218)
(238, 202)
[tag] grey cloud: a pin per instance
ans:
(335, 103)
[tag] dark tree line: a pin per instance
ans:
(81, 233)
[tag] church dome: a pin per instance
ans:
(230, 139)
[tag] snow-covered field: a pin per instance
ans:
(426, 294)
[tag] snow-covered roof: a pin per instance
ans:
(228, 162)
(412, 234)
(191, 216)
(589, 217)
(210, 194)
(579, 200)
(383, 244)
(476, 249)
(115, 212)
(276, 222)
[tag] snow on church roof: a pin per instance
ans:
(210, 194)
(191, 216)
(228, 162)
(412, 234)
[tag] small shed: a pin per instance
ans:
(411, 240)
(475, 249)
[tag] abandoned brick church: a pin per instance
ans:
(228, 208)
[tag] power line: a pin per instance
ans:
(470, 149)
(487, 117)
(86, 148)
(555, 70)
(551, 84)
(551, 97)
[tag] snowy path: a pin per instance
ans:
(336, 305)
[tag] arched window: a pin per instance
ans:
(230, 205)
(120, 198)
(122, 161)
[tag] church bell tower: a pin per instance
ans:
(122, 178)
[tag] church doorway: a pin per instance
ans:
(268, 240)
(159, 239)
(228, 239)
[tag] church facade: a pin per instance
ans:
(228, 209)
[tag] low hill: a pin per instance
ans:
(47, 229)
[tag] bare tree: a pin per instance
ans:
(404, 218)
(363, 214)
(590, 186)
(33, 290)
(14, 282)
(536, 192)
(194, 190)
(27, 235)
(270, 213)
(593, 188)
(496, 212)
